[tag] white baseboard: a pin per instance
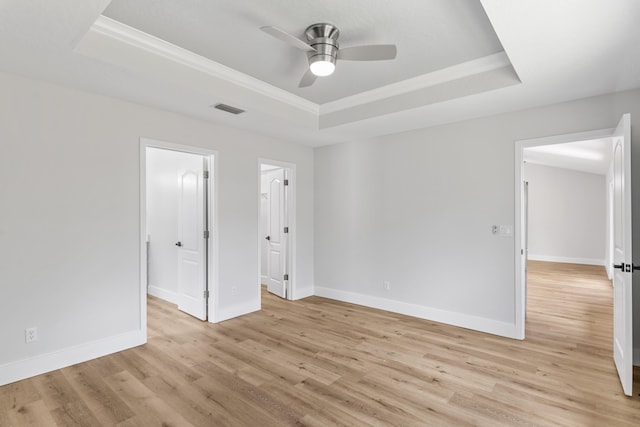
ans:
(263, 280)
(164, 294)
(568, 260)
(481, 324)
(303, 293)
(237, 310)
(43, 363)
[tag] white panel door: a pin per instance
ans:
(525, 241)
(191, 244)
(277, 238)
(622, 261)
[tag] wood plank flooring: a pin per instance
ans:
(318, 362)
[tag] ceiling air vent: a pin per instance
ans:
(228, 108)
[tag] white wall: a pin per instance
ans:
(416, 209)
(163, 198)
(567, 215)
(70, 226)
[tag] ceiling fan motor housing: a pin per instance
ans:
(324, 39)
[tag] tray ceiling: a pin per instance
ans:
(457, 59)
(430, 35)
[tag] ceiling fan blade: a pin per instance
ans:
(307, 80)
(287, 38)
(374, 52)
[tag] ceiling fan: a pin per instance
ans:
(323, 50)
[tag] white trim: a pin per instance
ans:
(212, 247)
(304, 293)
(40, 364)
(568, 260)
(455, 72)
(237, 310)
(519, 279)
(481, 324)
(164, 294)
(116, 30)
(292, 225)
(111, 29)
(144, 239)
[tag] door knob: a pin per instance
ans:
(179, 244)
(620, 266)
(268, 238)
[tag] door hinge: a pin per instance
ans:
(286, 277)
(206, 294)
(206, 234)
(205, 174)
(286, 182)
(286, 229)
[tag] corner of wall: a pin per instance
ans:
(237, 310)
(164, 294)
(303, 293)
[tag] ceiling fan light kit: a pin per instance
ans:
(322, 67)
(323, 50)
(324, 39)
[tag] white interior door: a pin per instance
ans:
(191, 245)
(525, 240)
(622, 261)
(277, 247)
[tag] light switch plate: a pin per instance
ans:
(506, 230)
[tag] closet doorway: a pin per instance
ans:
(277, 227)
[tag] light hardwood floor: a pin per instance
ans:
(320, 362)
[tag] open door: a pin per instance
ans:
(525, 240)
(622, 261)
(277, 238)
(192, 255)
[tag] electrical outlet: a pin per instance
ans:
(31, 335)
(387, 285)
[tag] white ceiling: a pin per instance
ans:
(186, 55)
(449, 32)
(592, 156)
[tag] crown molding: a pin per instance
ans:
(111, 28)
(455, 72)
(118, 32)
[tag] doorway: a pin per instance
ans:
(276, 237)
(178, 226)
(621, 261)
(565, 205)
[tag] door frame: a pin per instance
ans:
(520, 145)
(291, 236)
(212, 220)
